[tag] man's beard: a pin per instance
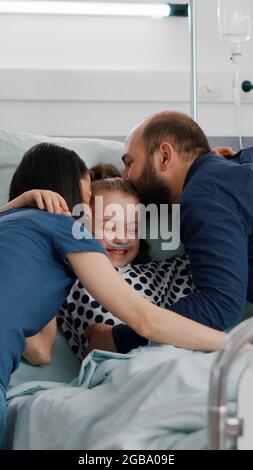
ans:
(151, 188)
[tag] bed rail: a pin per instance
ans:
(220, 425)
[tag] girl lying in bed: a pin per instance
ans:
(162, 283)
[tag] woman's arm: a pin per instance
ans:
(154, 323)
(39, 348)
(228, 152)
(41, 198)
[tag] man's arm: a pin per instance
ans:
(126, 339)
(217, 244)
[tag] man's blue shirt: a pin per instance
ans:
(216, 230)
(217, 233)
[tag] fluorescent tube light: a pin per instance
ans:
(85, 8)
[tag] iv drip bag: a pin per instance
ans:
(234, 21)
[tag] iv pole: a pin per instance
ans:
(194, 78)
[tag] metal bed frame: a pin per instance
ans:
(220, 425)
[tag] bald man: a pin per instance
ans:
(168, 159)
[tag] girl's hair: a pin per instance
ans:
(119, 185)
(114, 185)
(102, 170)
(49, 166)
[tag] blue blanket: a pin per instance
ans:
(152, 398)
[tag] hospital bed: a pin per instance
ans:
(237, 428)
(230, 422)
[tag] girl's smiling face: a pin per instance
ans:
(116, 227)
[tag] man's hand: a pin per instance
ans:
(224, 151)
(100, 337)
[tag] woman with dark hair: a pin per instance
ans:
(60, 170)
(40, 259)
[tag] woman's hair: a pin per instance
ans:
(102, 170)
(49, 166)
(119, 185)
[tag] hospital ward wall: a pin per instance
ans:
(97, 76)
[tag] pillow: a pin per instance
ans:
(157, 252)
(14, 144)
